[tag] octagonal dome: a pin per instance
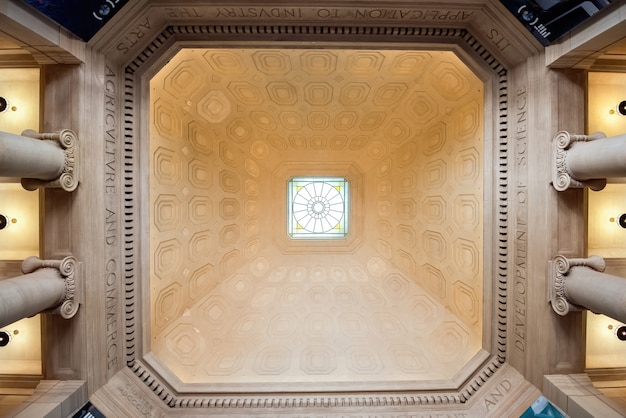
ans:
(234, 300)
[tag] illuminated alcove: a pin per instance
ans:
(20, 88)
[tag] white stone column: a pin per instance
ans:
(579, 283)
(587, 160)
(47, 285)
(41, 160)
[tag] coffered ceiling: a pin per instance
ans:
(233, 299)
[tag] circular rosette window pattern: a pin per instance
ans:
(318, 208)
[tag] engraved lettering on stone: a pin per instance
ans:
(110, 127)
(136, 400)
(111, 220)
(182, 12)
(274, 12)
(495, 396)
(134, 36)
(498, 39)
(378, 14)
(521, 222)
(111, 313)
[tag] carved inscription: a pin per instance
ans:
(110, 126)
(134, 36)
(343, 13)
(111, 313)
(521, 221)
(359, 14)
(398, 14)
(273, 12)
(136, 399)
(498, 39)
(111, 220)
(177, 12)
(495, 396)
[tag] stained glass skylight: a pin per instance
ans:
(318, 207)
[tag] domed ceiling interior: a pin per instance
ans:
(234, 299)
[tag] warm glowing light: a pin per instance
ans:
(620, 109)
(621, 221)
(5, 221)
(604, 346)
(4, 105)
(606, 91)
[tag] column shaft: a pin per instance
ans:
(27, 295)
(25, 157)
(598, 159)
(599, 292)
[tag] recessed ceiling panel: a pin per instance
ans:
(234, 298)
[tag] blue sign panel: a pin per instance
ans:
(88, 411)
(548, 20)
(81, 17)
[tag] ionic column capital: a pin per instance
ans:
(562, 178)
(68, 180)
(67, 268)
(559, 268)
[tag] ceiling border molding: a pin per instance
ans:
(176, 37)
(435, 37)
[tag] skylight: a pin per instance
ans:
(317, 207)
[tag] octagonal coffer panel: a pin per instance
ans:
(234, 298)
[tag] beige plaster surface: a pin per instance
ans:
(233, 299)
